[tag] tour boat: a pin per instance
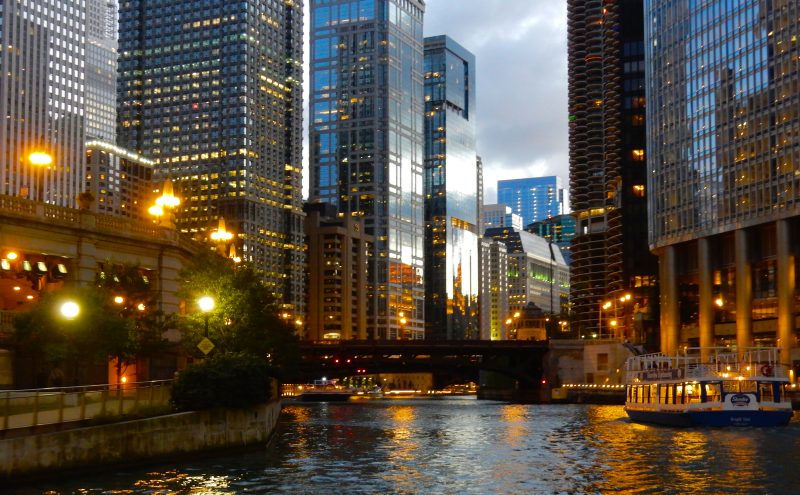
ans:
(325, 391)
(723, 388)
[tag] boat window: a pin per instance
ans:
(765, 392)
(663, 395)
(692, 393)
(744, 386)
(653, 394)
(679, 393)
(713, 393)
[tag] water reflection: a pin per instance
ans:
(472, 447)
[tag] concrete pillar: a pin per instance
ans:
(744, 293)
(786, 289)
(706, 310)
(670, 316)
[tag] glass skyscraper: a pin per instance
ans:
(211, 90)
(366, 140)
(451, 192)
(724, 162)
(534, 198)
(101, 70)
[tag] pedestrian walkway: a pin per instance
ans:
(36, 407)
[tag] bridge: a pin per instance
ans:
(452, 361)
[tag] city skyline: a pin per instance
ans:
(517, 137)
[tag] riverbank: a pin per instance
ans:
(133, 442)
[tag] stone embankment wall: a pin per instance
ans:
(135, 441)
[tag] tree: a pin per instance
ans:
(95, 334)
(245, 318)
(129, 287)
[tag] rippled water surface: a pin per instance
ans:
(464, 446)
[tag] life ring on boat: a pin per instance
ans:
(766, 370)
(680, 372)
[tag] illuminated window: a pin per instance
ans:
(637, 155)
(638, 190)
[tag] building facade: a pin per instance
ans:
(534, 198)
(608, 173)
(500, 215)
(451, 193)
(101, 70)
(336, 282)
(559, 230)
(42, 98)
(724, 191)
(211, 91)
(537, 272)
(121, 182)
(366, 144)
(494, 289)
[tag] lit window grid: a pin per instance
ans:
(726, 152)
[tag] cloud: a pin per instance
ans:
(521, 59)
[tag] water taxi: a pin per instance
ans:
(724, 389)
(324, 391)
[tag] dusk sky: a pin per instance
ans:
(521, 55)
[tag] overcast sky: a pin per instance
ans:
(521, 56)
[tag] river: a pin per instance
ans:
(465, 446)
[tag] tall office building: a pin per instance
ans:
(121, 182)
(500, 216)
(610, 256)
(537, 272)
(42, 78)
(724, 188)
(534, 198)
(451, 193)
(101, 70)
(211, 91)
(559, 230)
(494, 289)
(366, 138)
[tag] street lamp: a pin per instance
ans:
(40, 160)
(70, 310)
(164, 204)
(206, 304)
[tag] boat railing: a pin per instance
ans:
(699, 371)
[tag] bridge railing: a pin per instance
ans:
(47, 406)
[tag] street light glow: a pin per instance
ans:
(40, 158)
(70, 310)
(206, 304)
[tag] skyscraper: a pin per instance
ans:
(451, 192)
(610, 256)
(534, 198)
(101, 70)
(211, 91)
(42, 77)
(724, 187)
(366, 139)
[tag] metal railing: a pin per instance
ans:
(46, 406)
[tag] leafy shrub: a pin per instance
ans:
(224, 380)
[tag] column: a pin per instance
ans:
(706, 313)
(744, 293)
(670, 317)
(786, 289)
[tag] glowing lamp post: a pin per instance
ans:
(40, 160)
(206, 304)
(70, 310)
